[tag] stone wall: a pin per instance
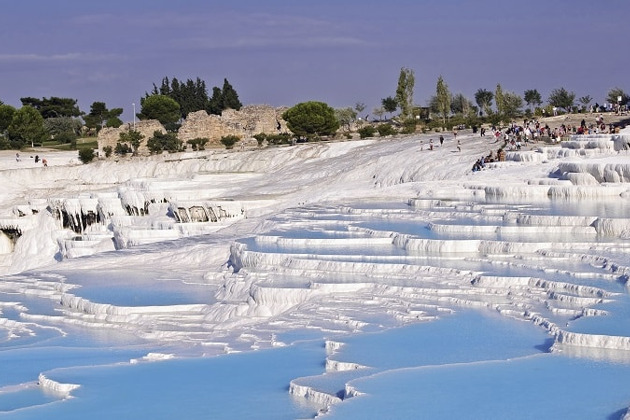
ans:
(248, 121)
(110, 136)
(245, 123)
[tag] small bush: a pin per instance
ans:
(367, 131)
(198, 143)
(161, 142)
(385, 130)
(86, 155)
(260, 138)
(281, 138)
(122, 149)
(229, 141)
(409, 126)
(108, 151)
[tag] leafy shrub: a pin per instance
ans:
(108, 151)
(122, 149)
(198, 143)
(385, 130)
(229, 141)
(4, 143)
(367, 131)
(86, 155)
(161, 142)
(409, 126)
(260, 138)
(280, 138)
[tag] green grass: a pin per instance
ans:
(82, 143)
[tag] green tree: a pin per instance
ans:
(113, 119)
(160, 107)
(164, 142)
(97, 116)
(585, 101)
(54, 107)
(461, 105)
(215, 104)
(6, 115)
(230, 97)
(443, 99)
(64, 127)
(131, 138)
(562, 98)
(359, 107)
(499, 100)
(389, 104)
(615, 93)
(533, 98)
(311, 118)
(404, 92)
(379, 112)
(27, 126)
(346, 116)
(191, 95)
(484, 98)
(512, 105)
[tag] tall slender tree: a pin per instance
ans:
(404, 92)
(215, 104)
(443, 98)
(499, 99)
(230, 97)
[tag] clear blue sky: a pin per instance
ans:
(282, 52)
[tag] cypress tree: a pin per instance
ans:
(229, 97)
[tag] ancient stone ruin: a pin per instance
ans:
(245, 123)
(110, 136)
